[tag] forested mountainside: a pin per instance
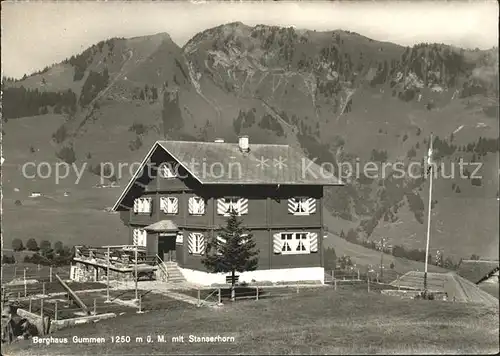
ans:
(338, 96)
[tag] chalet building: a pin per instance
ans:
(183, 193)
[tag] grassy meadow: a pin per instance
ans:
(316, 321)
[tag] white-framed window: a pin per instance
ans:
(140, 237)
(227, 205)
(302, 206)
(142, 205)
(167, 170)
(169, 205)
(294, 243)
(196, 243)
(196, 206)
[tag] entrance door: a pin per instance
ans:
(166, 247)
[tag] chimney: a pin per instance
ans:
(243, 142)
(219, 140)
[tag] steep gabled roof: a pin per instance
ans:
(224, 163)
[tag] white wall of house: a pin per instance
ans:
(269, 275)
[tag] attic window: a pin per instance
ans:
(167, 170)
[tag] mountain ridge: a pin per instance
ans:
(336, 95)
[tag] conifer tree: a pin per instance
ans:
(232, 250)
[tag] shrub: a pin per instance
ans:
(58, 247)
(32, 245)
(60, 135)
(8, 259)
(45, 246)
(17, 245)
(138, 128)
(67, 154)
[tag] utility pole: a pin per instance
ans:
(136, 292)
(382, 248)
(108, 258)
(430, 163)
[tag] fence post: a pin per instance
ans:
(41, 315)
(220, 296)
(368, 279)
(358, 274)
(95, 307)
(55, 310)
(50, 274)
(297, 288)
(335, 283)
(18, 295)
(398, 283)
(199, 297)
(140, 305)
(43, 288)
(24, 278)
(257, 293)
(15, 272)
(38, 267)
(377, 278)
(29, 308)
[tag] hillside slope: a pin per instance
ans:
(338, 96)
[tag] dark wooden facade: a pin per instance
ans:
(267, 214)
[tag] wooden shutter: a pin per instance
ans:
(222, 206)
(173, 205)
(193, 237)
(201, 238)
(242, 206)
(163, 204)
(292, 205)
(277, 243)
(139, 237)
(313, 241)
(191, 242)
(135, 237)
(192, 205)
(147, 205)
(310, 205)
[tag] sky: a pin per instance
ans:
(37, 34)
